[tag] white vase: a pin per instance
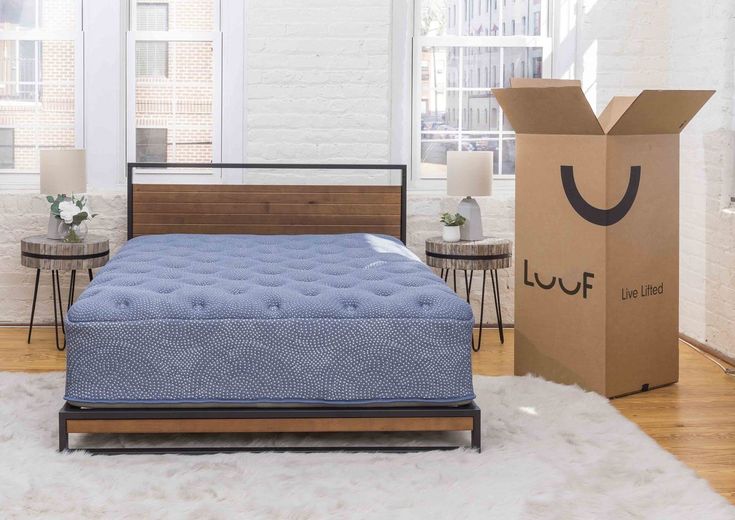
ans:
(57, 228)
(451, 233)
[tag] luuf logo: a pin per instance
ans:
(584, 284)
(600, 217)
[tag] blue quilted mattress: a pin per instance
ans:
(264, 320)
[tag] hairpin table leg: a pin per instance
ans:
(468, 289)
(482, 314)
(33, 307)
(56, 320)
(468, 283)
(496, 297)
(61, 311)
(72, 282)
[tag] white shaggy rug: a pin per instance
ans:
(550, 451)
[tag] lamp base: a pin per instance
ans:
(472, 229)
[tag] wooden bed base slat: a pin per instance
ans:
(303, 425)
(266, 420)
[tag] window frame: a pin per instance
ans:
(544, 41)
(12, 144)
(215, 38)
(14, 178)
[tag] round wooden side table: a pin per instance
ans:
(488, 254)
(39, 252)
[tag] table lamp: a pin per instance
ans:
(63, 173)
(470, 174)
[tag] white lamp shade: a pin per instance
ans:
(469, 174)
(63, 171)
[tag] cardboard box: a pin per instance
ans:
(597, 235)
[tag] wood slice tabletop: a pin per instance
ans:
(39, 252)
(488, 253)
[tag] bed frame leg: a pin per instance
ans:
(476, 431)
(63, 434)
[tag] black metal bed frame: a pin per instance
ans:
(73, 413)
(69, 412)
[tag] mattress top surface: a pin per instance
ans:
(203, 277)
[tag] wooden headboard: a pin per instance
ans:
(267, 209)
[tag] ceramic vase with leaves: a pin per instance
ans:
(72, 213)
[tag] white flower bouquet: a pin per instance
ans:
(74, 212)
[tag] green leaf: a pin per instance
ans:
(50, 199)
(79, 218)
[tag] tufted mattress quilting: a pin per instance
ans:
(267, 320)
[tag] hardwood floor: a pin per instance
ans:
(694, 419)
(40, 356)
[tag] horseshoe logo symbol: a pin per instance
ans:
(601, 217)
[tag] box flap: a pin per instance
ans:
(557, 110)
(660, 112)
(544, 82)
(614, 109)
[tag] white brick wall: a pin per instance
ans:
(319, 90)
(702, 43)
(629, 46)
(318, 80)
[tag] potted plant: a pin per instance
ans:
(73, 213)
(452, 223)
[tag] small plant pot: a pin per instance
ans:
(451, 233)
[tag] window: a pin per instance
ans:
(7, 138)
(41, 83)
(151, 145)
(151, 58)
(19, 72)
(20, 14)
(174, 82)
(464, 52)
